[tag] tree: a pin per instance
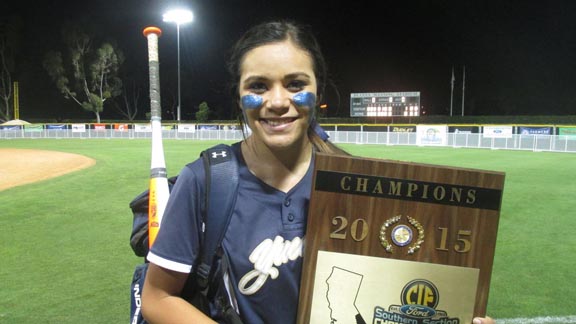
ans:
(9, 31)
(130, 100)
(203, 112)
(87, 76)
(169, 102)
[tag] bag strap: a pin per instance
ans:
(221, 168)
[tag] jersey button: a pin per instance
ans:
(287, 202)
(291, 217)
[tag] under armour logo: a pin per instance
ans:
(215, 155)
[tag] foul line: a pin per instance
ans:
(538, 320)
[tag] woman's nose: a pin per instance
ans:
(279, 98)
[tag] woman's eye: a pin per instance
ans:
(296, 85)
(257, 87)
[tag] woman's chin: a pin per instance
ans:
(282, 142)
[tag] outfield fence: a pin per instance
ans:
(552, 143)
(529, 142)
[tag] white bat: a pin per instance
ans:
(158, 177)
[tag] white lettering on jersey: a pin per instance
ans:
(265, 257)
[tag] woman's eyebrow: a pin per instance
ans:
(294, 75)
(254, 78)
(288, 77)
(297, 75)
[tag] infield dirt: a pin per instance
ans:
(22, 166)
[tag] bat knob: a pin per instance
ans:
(152, 30)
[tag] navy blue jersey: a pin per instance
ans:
(263, 241)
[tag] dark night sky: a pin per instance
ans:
(520, 55)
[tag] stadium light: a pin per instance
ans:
(179, 17)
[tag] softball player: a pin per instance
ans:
(279, 77)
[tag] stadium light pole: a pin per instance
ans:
(179, 17)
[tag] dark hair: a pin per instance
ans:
(274, 32)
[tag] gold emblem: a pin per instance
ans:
(401, 234)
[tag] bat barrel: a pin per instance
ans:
(159, 190)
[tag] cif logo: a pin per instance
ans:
(419, 298)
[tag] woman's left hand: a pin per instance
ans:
(483, 320)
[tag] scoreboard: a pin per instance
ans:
(385, 104)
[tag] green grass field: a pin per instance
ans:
(65, 254)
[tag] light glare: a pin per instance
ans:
(178, 16)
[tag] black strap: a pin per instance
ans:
(221, 192)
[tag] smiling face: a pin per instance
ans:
(278, 93)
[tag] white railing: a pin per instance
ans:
(222, 135)
(536, 142)
(552, 143)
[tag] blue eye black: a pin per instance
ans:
(301, 99)
(304, 100)
(251, 101)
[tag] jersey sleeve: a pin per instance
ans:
(177, 244)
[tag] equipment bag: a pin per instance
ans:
(206, 280)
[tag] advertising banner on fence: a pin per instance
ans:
(497, 132)
(230, 127)
(10, 127)
(78, 128)
(100, 127)
(431, 134)
(56, 126)
(34, 128)
(121, 127)
(208, 127)
(463, 129)
(142, 128)
(569, 132)
(403, 129)
(187, 128)
(523, 130)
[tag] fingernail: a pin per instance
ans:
(477, 321)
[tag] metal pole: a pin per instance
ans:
(178, 45)
(463, 86)
(16, 101)
(451, 90)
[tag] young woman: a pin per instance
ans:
(279, 75)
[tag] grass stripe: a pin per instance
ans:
(538, 320)
(65, 240)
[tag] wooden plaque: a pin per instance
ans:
(398, 242)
